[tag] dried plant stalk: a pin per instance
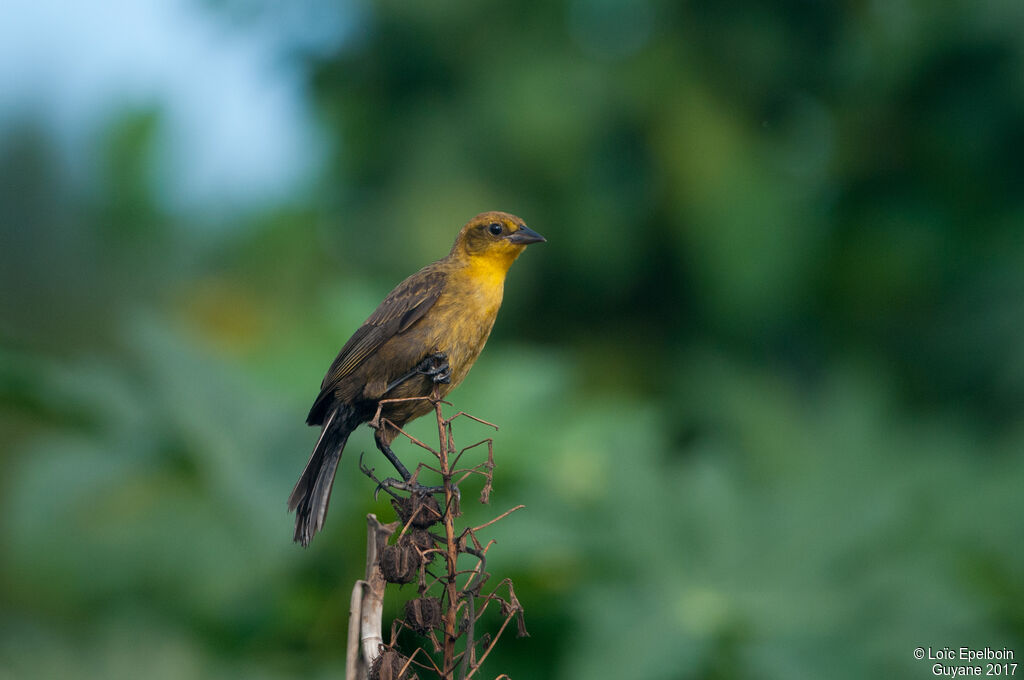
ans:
(415, 549)
(365, 621)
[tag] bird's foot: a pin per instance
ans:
(436, 367)
(410, 486)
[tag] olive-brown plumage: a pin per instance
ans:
(427, 332)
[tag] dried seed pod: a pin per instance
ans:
(422, 540)
(399, 563)
(424, 510)
(389, 665)
(423, 613)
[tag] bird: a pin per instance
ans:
(421, 340)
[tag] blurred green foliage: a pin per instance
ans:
(761, 392)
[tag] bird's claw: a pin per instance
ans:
(436, 367)
(382, 486)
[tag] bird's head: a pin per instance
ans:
(498, 237)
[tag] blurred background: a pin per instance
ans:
(762, 391)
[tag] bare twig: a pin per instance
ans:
(497, 519)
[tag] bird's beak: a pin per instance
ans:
(525, 235)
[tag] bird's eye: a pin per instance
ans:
(494, 228)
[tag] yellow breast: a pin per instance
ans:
(467, 311)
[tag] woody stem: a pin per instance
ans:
(450, 493)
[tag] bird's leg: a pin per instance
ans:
(390, 455)
(407, 483)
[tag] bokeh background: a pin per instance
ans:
(762, 391)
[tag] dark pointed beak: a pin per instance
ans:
(525, 235)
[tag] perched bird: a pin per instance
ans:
(426, 333)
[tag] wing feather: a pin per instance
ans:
(402, 308)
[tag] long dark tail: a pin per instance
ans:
(312, 492)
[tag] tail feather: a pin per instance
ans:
(312, 493)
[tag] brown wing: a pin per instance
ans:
(403, 307)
